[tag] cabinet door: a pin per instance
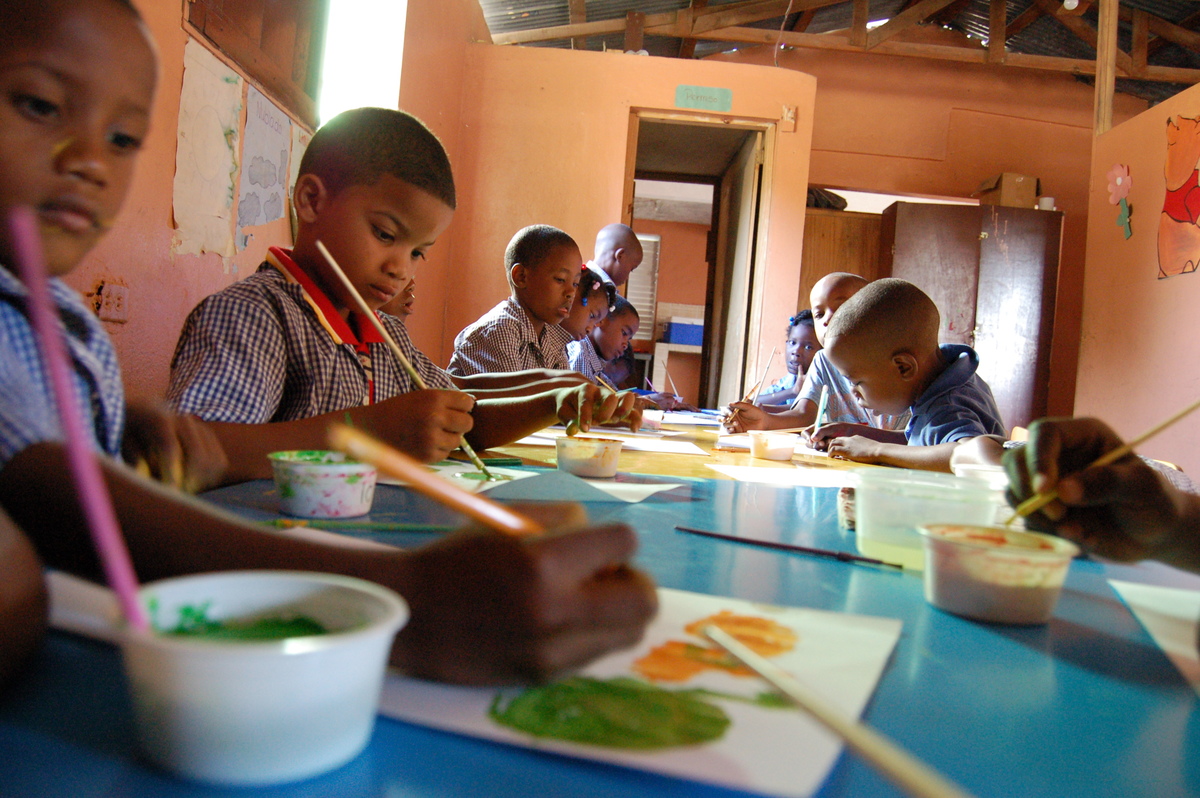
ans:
(1014, 312)
(936, 248)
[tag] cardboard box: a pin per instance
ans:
(680, 330)
(1010, 189)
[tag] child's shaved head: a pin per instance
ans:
(357, 147)
(533, 244)
(886, 316)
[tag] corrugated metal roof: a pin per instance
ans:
(1046, 36)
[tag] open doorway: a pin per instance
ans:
(695, 192)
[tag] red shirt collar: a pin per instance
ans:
(323, 305)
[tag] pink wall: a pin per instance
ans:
(1140, 357)
(914, 126)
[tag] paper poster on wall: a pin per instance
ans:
(1119, 186)
(210, 105)
(265, 145)
(1178, 232)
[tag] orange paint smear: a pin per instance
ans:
(678, 661)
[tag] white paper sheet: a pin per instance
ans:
(1171, 616)
(664, 445)
(809, 477)
(623, 491)
(210, 104)
(772, 751)
(741, 440)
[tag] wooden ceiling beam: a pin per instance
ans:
(1022, 21)
(734, 14)
(804, 20)
(577, 14)
(1139, 48)
(840, 42)
(1082, 30)
(1157, 43)
(997, 30)
(859, 18)
(635, 31)
(665, 21)
(949, 12)
(906, 19)
(687, 45)
(1106, 65)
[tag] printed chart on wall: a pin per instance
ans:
(263, 186)
(678, 705)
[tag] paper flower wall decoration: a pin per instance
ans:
(1119, 185)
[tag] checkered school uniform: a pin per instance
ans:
(272, 347)
(584, 358)
(28, 415)
(504, 340)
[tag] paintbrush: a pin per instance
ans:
(895, 764)
(1040, 500)
(844, 556)
(752, 395)
(671, 382)
(366, 526)
(364, 448)
(404, 361)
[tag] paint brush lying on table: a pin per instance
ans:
(844, 556)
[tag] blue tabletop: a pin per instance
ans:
(1087, 705)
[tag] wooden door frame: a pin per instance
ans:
(766, 150)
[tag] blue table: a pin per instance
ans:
(1085, 706)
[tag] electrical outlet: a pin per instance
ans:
(114, 303)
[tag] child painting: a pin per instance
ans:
(800, 349)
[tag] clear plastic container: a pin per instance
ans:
(891, 504)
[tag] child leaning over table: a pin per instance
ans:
(593, 299)
(272, 359)
(606, 341)
(800, 348)
(78, 81)
(524, 332)
(884, 340)
(843, 414)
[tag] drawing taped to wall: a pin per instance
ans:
(1178, 231)
(1119, 186)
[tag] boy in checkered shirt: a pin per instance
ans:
(271, 360)
(523, 332)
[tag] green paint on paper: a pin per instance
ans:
(617, 713)
(194, 622)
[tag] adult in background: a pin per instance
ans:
(618, 252)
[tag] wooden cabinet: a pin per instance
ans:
(993, 273)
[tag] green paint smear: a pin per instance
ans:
(194, 622)
(482, 477)
(619, 713)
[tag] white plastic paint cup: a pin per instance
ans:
(768, 445)
(1046, 204)
(243, 713)
(588, 457)
(320, 484)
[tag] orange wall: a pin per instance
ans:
(1140, 358)
(545, 151)
(682, 270)
(163, 287)
(682, 279)
(915, 126)
(436, 39)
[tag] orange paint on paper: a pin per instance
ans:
(678, 660)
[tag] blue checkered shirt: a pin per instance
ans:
(503, 340)
(584, 358)
(257, 352)
(28, 414)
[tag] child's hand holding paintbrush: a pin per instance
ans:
(1121, 510)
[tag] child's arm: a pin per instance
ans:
(486, 607)
(982, 450)
(502, 421)
(518, 383)
(1123, 511)
(22, 599)
(751, 417)
(426, 425)
(820, 438)
(865, 450)
(180, 451)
